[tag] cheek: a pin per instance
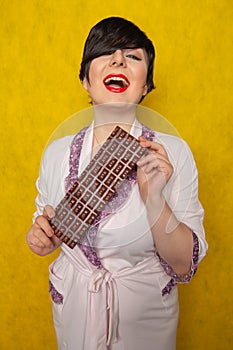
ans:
(95, 77)
(96, 67)
(93, 71)
(142, 75)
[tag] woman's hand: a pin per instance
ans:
(154, 171)
(40, 238)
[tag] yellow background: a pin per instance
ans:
(40, 52)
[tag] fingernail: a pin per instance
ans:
(51, 214)
(51, 233)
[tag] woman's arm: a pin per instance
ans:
(173, 239)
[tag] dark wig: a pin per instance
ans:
(116, 33)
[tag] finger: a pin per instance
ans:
(48, 212)
(161, 167)
(152, 145)
(152, 158)
(149, 166)
(43, 223)
(55, 240)
(157, 165)
(44, 242)
(37, 238)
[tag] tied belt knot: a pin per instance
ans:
(104, 279)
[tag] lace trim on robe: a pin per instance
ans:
(57, 297)
(176, 278)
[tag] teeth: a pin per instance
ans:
(109, 80)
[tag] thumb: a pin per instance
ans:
(48, 212)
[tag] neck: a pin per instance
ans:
(113, 114)
(107, 117)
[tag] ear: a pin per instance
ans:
(85, 83)
(145, 89)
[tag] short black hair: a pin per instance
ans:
(111, 34)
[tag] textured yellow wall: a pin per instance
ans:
(40, 51)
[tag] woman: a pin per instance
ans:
(120, 292)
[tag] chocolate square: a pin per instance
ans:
(108, 196)
(77, 193)
(118, 168)
(73, 243)
(75, 227)
(110, 180)
(73, 189)
(72, 202)
(88, 179)
(103, 174)
(70, 218)
(102, 190)
(96, 168)
(104, 158)
(84, 213)
(86, 197)
(93, 202)
(62, 214)
(96, 184)
(120, 151)
(91, 218)
(111, 163)
(112, 146)
(78, 208)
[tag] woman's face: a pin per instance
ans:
(118, 77)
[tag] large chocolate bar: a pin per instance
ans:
(99, 181)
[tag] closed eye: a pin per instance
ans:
(136, 58)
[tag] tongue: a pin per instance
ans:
(116, 86)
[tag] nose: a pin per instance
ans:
(118, 59)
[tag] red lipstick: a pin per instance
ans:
(116, 83)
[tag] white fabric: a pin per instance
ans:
(120, 307)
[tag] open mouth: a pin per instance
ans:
(116, 83)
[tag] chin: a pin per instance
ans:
(116, 104)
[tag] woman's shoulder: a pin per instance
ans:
(62, 144)
(177, 147)
(176, 142)
(58, 148)
(170, 140)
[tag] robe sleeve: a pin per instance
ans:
(181, 194)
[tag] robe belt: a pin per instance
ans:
(98, 278)
(101, 280)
